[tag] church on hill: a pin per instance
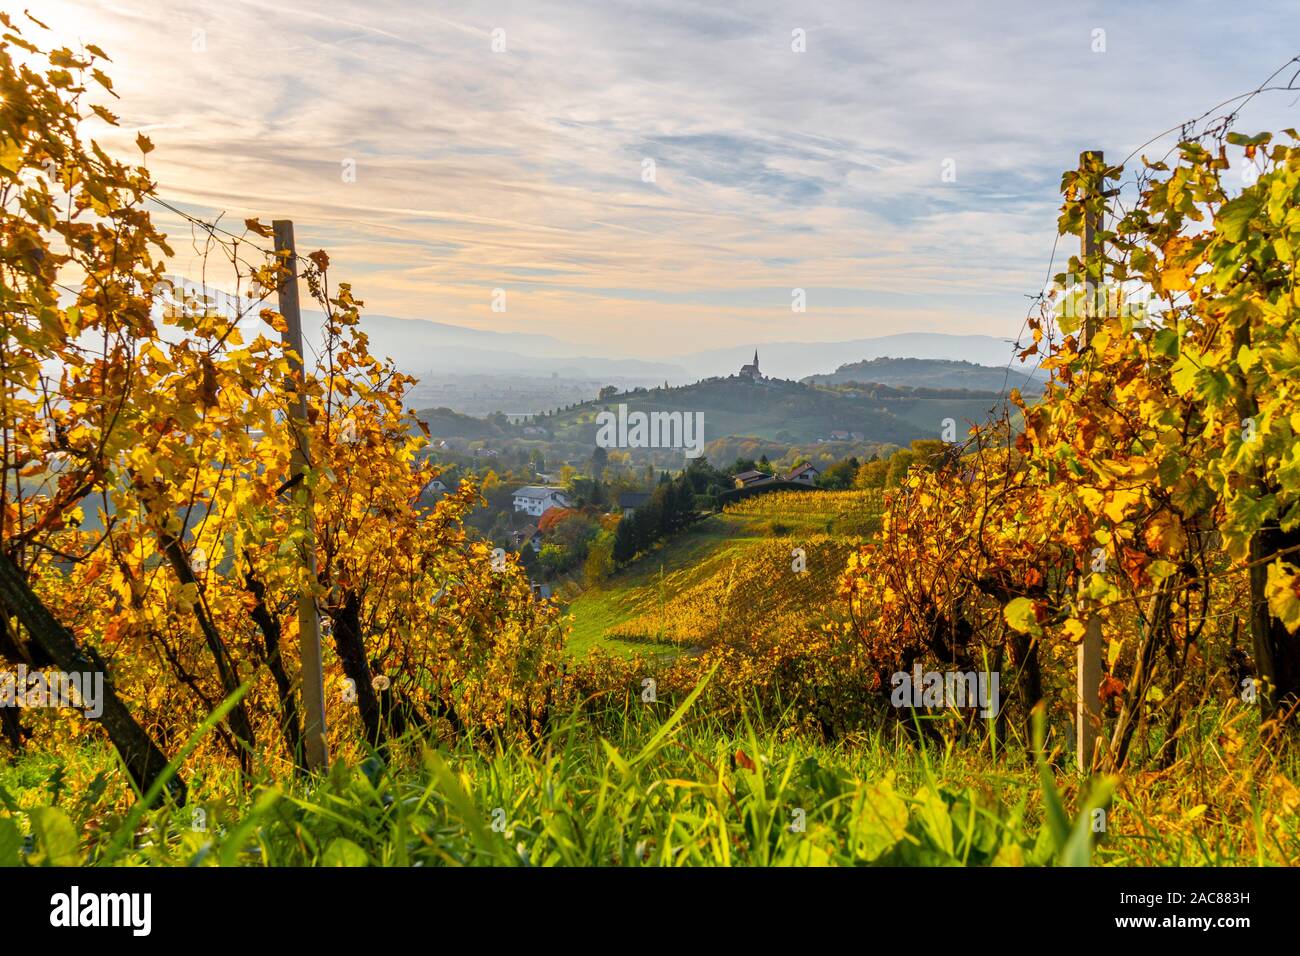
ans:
(751, 371)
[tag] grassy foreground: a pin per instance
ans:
(666, 789)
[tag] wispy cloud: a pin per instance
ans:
(523, 169)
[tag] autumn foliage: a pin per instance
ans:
(1154, 486)
(149, 495)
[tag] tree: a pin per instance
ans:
(930, 452)
(625, 540)
(552, 517)
(586, 491)
(574, 531)
(528, 559)
(840, 475)
(600, 559)
(554, 559)
(872, 474)
(900, 462)
(1154, 492)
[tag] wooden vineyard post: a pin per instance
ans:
(313, 682)
(1087, 717)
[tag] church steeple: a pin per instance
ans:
(755, 358)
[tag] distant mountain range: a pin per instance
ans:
(420, 346)
(424, 347)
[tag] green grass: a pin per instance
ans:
(659, 788)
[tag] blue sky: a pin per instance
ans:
(522, 168)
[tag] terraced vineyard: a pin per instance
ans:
(844, 512)
(767, 565)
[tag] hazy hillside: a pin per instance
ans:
(748, 419)
(934, 373)
(445, 423)
(420, 346)
(789, 412)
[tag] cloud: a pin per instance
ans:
(523, 169)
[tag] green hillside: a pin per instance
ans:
(732, 572)
(789, 412)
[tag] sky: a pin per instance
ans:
(652, 179)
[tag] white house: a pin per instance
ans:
(535, 499)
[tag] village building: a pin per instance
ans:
(629, 501)
(747, 479)
(805, 474)
(535, 499)
(529, 535)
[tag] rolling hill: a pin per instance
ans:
(790, 412)
(934, 373)
(731, 578)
